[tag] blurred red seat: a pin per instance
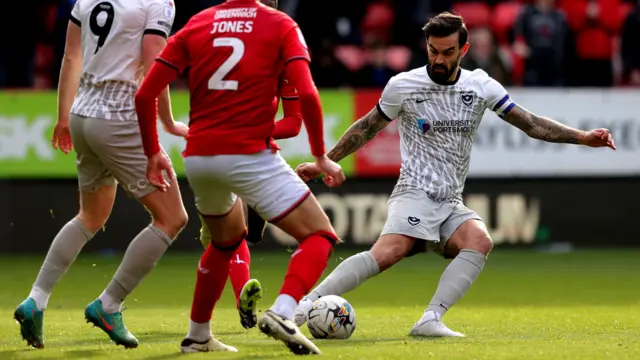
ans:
(398, 58)
(475, 14)
(625, 10)
(505, 16)
(517, 64)
(351, 56)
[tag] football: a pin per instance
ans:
(331, 317)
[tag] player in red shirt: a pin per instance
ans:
(247, 291)
(236, 53)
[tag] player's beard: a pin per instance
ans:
(441, 73)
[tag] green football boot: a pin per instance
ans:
(112, 324)
(248, 303)
(30, 319)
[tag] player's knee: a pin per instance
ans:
(484, 244)
(390, 249)
(231, 244)
(174, 224)
(180, 221)
(91, 221)
(480, 242)
(305, 220)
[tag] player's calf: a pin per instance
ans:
(308, 224)
(213, 271)
(468, 246)
(311, 227)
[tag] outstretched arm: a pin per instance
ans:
(543, 128)
(361, 132)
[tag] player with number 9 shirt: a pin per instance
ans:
(236, 53)
(110, 45)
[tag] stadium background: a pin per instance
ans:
(561, 283)
(578, 62)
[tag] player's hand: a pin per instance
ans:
(334, 175)
(599, 138)
(308, 171)
(157, 166)
(177, 128)
(62, 137)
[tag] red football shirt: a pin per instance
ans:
(235, 53)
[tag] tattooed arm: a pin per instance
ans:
(542, 128)
(361, 132)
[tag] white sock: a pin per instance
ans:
(313, 296)
(284, 306)
(40, 296)
(109, 304)
(429, 315)
(199, 332)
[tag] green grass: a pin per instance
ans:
(526, 305)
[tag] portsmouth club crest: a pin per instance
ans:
(424, 125)
(467, 98)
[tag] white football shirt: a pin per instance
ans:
(112, 66)
(437, 126)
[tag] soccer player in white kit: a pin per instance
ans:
(439, 108)
(110, 45)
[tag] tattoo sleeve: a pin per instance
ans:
(361, 132)
(542, 128)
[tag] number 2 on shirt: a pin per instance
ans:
(216, 81)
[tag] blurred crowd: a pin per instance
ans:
(362, 43)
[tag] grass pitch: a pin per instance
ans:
(525, 305)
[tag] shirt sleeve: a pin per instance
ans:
(75, 14)
(498, 99)
(176, 53)
(294, 44)
(160, 16)
(390, 101)
(287, 90)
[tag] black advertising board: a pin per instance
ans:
(521, 212)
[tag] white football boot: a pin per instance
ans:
(213, 344)
(430, 325)
(286, 331)
(302, 311)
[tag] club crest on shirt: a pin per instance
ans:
(424, 125)
(169, 9)
(467, 98)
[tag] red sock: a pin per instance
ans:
(307, 264)
(213, 270)
(239, 268)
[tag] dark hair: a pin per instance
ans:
(445, 24)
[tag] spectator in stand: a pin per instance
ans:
(541, 39)
(631, 47)
(484, 54)
(595, 24)
(376, 34)
(376, 73)
(414, 14)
